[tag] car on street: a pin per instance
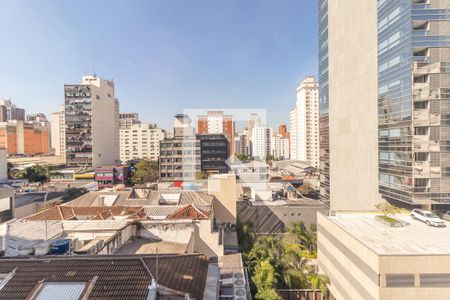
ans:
(446, 216)
(427, 217)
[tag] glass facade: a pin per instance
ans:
(324, 140)
(78, 112)
(413, 103)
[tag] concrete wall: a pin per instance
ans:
(351, 267)
(223, 187)
(105, 124)
(353, 107)
(171, 232)
(206, 241)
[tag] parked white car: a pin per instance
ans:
(427, 216)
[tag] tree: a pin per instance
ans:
(146, 171)
(296, 267)
(306, 189)
(388, 209)
(241, 156)
(265, 279)
(319, 281)
(13, 172)
(246, 236)
(37, 173)
(201, 175)
(270, 158)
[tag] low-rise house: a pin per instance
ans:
(148, 277)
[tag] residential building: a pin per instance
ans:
(366, 259)
(109, 176)
(179, 158)
(414, 101)
(304, 123)
(10, 112)
(126, 120)
(92, 123)
(216, 122)
(242, 143)
(58, 132)
(155, 276)
(24, 138)
(140, 141)
(214, 153)
(3, 165)
(283, 131)
(324, 132)
(280, 146)
(261, 142)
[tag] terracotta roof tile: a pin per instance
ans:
(189, 212)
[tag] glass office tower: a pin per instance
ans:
(414, 100)
(324, 133)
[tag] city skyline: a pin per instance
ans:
(250, 54)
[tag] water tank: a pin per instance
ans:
(60, 246)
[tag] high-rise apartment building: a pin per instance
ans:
(304, 123)
(214, 153)
(58, 132)
(324, 132)
(126, 120)
(390, 115)
(140, 141)
(280, 146)
(179, 158)
(216, 122)
(261, 142)
(10, 112)
(92, 123)
(414, 100)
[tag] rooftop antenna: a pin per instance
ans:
(93, 72)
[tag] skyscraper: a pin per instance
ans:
(414, 101)
(304, 123)
(388, 102)
(261, 142)
(92, 123)
(126, 120)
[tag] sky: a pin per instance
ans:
(163, 55)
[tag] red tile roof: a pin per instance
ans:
(189, 212)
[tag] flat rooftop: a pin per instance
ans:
(414, 239)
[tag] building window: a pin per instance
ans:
(435, 280)
(399, 280)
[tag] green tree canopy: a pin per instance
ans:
(146, 171)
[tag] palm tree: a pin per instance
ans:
(296, 267)
(319, 281)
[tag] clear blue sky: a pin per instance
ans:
(164, 55)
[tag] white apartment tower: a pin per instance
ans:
(58, 132)
(261, 142)
(140, 141)
(280, 146)
(304, 123)
(92, 123)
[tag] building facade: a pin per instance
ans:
(261, 142)
(214, 153)
(280, 146)
(10, 112)
(179, 158)
(324, 132)
(304, 123)
(140, 141)
(216, 122)
(107, 177)
(126, 120)
(414, 101)
(92, 123)
(24, 138)
(58, 132)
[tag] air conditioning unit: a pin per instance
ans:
(240, 293)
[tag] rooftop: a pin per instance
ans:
(106, 277)
(149, 246)
(414, 239)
